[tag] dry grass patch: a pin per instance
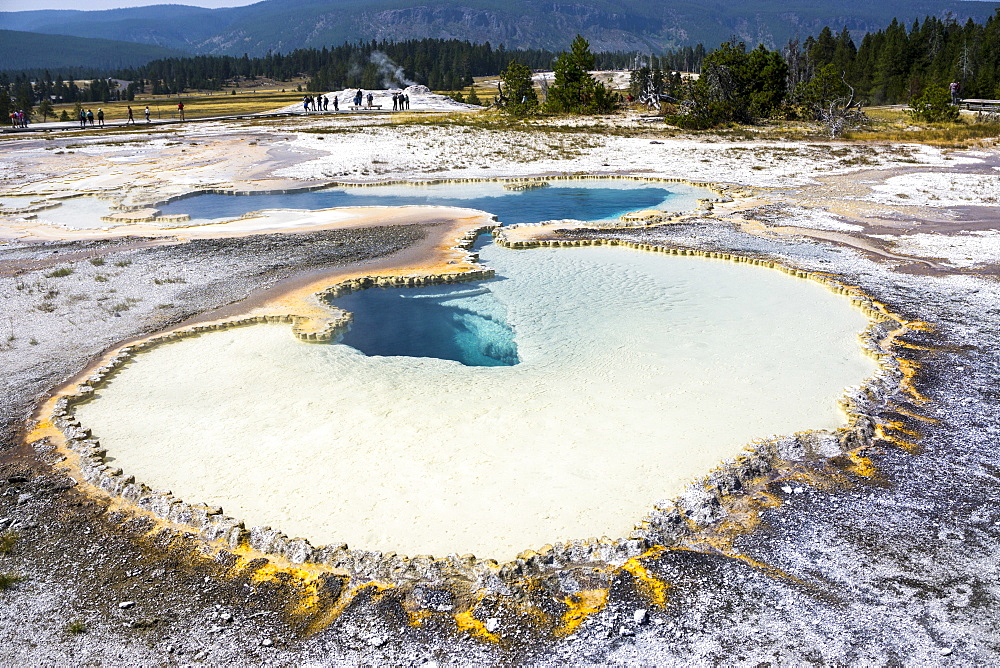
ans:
(944, 135)
(895, 124)
(195, 106)
(7, 541)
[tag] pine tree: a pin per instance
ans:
(472, 97)
(574, 90)
(45, 108)
(517, 95)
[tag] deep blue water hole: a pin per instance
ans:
(464, 323)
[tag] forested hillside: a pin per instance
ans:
(891, 65)
(894, 64)
(609, 25)
(439, 64)
(28, 51)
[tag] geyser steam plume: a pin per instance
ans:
(392, 74)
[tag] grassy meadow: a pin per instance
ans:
(199, 105)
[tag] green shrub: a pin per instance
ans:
(934, 106)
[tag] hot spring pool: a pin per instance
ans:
(576, 199)
(591, 200)
(619, 377)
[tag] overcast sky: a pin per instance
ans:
(22, 5)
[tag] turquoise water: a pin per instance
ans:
(464, 323)
(637, 373)
(578, 199)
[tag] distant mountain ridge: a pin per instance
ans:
(64, 53)
(284, 25)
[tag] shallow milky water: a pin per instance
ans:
(635, 373)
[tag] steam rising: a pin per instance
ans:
(392, 74)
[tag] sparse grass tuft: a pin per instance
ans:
(169, 279)
(8, 580)
(101, 278)
(124, 305)
(123, 263)
(7, 541)
(59, 273)
(76, 627)
(97, 261)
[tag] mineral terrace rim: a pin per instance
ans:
(702, 505)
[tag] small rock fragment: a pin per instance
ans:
(640, 616)
(492, 624)
(125, 605)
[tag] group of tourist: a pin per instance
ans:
(320, 103)
(87, 117)
(400, 101)
(19, 119)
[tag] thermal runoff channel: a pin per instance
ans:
(580, 387)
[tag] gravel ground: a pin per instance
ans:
(899, 569)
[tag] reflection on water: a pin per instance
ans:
(462, 323)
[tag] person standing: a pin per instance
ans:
(147, 113)
(395, 101)
(370, 99)
(90, 117)
(954, 87)
(131, 118)
(100, 117)
(83, 118)
(336, 103)
(180, 110)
